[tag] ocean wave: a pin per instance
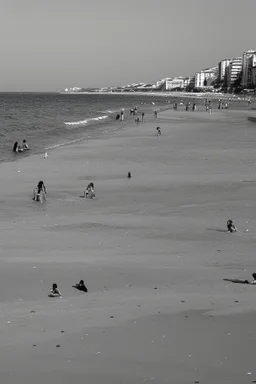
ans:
(84, 122)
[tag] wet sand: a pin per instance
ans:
(153, 252)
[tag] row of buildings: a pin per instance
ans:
(229, 73)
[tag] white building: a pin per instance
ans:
(175, 82)
(234, 70)
(178, 82)
(204, 78)
(222, 68)
(74, 89)
(245, 66)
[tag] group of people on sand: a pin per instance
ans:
(40, 192)
(55, 292)
(20, 147)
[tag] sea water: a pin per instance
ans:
(48, 121)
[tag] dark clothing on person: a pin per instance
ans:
(15, 147)
(230, 225)
(41, 187)
(80, 286)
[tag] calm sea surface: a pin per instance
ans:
(51, 120)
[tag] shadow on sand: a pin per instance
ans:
(252, 119)
(218, 230)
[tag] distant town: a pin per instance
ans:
(237, 75)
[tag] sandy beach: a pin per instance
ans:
(153, 252)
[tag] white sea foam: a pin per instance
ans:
(84, 122)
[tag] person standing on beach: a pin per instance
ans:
(142, 117)
(122, 115)
(155, 114)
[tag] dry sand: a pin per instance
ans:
(153, 252)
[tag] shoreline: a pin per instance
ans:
(196, 95)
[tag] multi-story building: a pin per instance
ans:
(189, 82)
(178, 82)
(245, 66)
(175, 82)
(233, 71)
(204, 78)
(254, 77)
(222, 69)
(251, 65)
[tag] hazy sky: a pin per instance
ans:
(47, 45)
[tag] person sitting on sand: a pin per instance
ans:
(54, 291)
(24, 145)
(158, 131)
(80, 286)
(90, 188)
(40, 188)
(231, 226)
